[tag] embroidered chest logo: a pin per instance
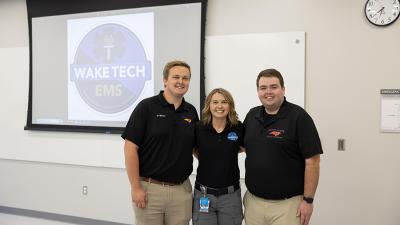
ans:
(188, 120)
(161, 115)
(275, 133)
(232, 136)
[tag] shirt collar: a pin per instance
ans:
(281, 112)
(182, 107)
(210, 127)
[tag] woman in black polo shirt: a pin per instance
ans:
(219, 137)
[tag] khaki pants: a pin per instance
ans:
(166, 205)
(259, 211)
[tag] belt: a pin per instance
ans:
(163, 183)
(217, 191)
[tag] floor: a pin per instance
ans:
(10, 219)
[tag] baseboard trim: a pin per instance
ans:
(55, 216)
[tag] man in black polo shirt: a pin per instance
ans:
(159, 140)
(282, 157)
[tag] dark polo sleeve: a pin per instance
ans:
(136, 127)
(309, 142)
(241, 134)
(196, 134)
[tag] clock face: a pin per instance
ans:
(382, 12)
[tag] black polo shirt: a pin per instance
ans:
(276, 149)
(165, 137)
(218, 155)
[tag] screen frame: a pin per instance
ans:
(42, 8)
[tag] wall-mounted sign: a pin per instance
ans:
(390, 110)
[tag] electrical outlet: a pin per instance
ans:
(84, 190)
(341, 146)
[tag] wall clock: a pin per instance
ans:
(382, 12)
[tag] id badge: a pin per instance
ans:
(204, 204)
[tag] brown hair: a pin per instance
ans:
(271, 73)
(174, 63)
(232, 115)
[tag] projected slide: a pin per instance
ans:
(92, 62)
(110, 65)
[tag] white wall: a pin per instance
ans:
(348, 61)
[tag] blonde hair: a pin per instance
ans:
(232, 117)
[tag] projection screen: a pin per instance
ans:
(92, 62)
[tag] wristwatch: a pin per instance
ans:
(309, 200)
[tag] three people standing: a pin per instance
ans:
(282, 156)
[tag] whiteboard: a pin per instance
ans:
(234, 61)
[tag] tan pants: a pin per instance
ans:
(166, 205)
(259, 211)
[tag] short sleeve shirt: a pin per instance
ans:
(218, 155)
(165, 138)
(276, 149)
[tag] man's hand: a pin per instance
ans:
(139, 197)
(304, 212)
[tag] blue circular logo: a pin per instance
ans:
(232, 136)
(110, 68)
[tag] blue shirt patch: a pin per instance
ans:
(232, 136)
